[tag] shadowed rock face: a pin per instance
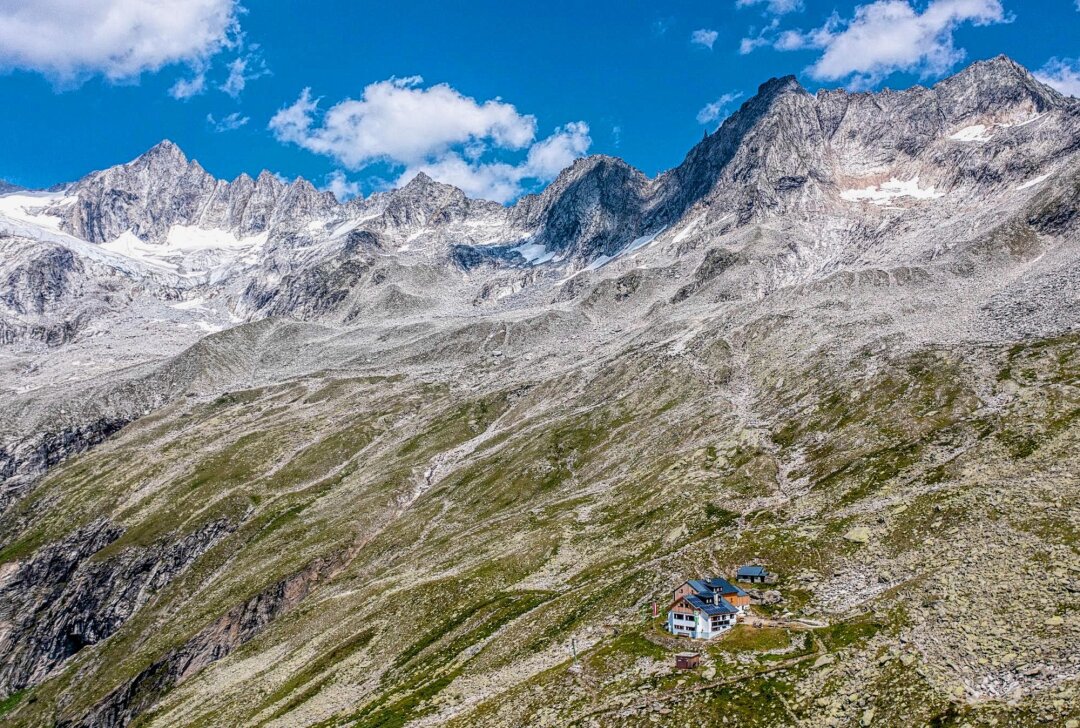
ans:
(384, 462)
(62, 601)
(20, 466)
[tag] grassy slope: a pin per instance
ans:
(561, 521)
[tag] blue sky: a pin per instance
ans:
(493, 96)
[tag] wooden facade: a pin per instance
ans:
(737, 600)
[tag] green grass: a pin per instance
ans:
(11, 702)
(744, 638)
(324, 662)
(411, 683)
(847, 634)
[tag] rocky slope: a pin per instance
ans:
(271, 460)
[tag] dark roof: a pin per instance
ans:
(751, 571)
(722, 607)
(725, 587)
(701, 587)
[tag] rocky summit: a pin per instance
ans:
(268, 459)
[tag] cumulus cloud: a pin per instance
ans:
(185, 88)
(1062, 74)
(243, 69)
(890, 35)
(704, 37)
(340, 185)
(774, 7)
(70, 40)
(231, 122)
(501, 181)
(436, 130)
(883, 37)
(716, 109)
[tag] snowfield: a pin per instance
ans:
(891, 190)
(191, 252)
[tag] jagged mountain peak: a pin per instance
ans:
(600, 170)
(778, 86)
(423, 185)
(166, 147)
(420, 180)
(783, 150)
(994, 86)
(999, 66)
(266, 177)
(164, 159)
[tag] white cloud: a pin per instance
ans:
(774, 7)
(704, 37)
(341, 187)
(790, 40)
(501, 181)
(1062, 74)
(236, 81)
(890, 35)
(399, 120)
(550, 156)
(243, 69)
(70, 40)
(883, 37)
(436, 130)
(764, 37)
(714, 110)
(185, 88)
(232, 122)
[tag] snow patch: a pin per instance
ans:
(974, 133)
(195, 304)
(1025, 122)
(1033, 182)
(891, 190)
(599, 262)
(349, 225)
(534, 253)
(32, 231)
(642, 241)
(984, 132)
(685, 232)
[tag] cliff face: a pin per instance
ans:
(25, 463)
(69, 596)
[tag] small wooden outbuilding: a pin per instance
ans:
(752, 574)
(687, 660)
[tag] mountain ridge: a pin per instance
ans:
(248, 429)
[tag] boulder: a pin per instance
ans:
(859, 534)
